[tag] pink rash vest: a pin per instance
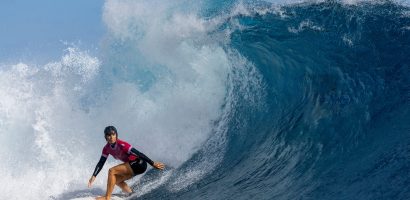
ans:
(121, 151)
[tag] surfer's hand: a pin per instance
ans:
(90, 182)
(159, 165)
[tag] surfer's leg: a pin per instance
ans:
(113, 173)
(122, 184)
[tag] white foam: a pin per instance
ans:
(145, 188)
(35, 106)
(196, 69)
(57, 139)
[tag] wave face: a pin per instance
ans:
(329, 118)
(240, 100)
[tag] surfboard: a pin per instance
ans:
(113, 197)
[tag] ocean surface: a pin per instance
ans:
(279, 100)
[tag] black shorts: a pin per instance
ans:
(138, 166)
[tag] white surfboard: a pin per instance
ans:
(93, 198)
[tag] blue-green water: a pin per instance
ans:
(241, 100)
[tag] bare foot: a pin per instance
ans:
(100, 198)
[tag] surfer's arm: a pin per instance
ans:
(141, 156)
(100, 165)
(97, 169)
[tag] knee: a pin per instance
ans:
(111, 172)
(120, 183)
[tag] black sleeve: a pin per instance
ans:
(142, 156)
(100, 165)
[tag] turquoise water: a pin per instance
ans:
(260, 100)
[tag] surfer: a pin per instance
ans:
(135, 163)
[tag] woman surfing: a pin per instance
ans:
(135, 163)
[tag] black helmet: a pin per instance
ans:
(109, 129)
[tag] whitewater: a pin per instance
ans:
(240, 100)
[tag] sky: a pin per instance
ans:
(39, 31)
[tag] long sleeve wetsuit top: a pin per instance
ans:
(121, 150)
